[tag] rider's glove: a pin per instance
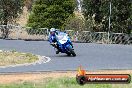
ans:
(53, 44)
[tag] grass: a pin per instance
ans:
(64, 82)
(13, 58)
(23, 85)
(71, 83)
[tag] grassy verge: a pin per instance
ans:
(64, 82)
(13, 58)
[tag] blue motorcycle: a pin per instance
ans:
(65, 45)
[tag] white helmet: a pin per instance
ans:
(52, 30)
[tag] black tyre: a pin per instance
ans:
(68, 54)
(72, 51)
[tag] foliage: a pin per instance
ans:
(28, 4)
(9, 10)
(98, 12)
(75, 23)
(50, 13)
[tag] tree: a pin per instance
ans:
(9, 10)
(28, 4)
(50, 13)
(98, 12)
(122, 15)
(92, 13)
(75, 23)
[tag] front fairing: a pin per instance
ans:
(62, 38)
(63, 41)
(64, 47)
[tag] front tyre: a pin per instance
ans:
(72, 51)
(68, 54)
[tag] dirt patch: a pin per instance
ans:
(11, 78)
(20, 77)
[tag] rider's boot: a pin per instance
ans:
(58, 50)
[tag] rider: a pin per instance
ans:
(53, 39)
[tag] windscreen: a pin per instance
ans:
(60, 36)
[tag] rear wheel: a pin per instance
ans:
(72, 51)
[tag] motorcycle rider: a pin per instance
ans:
(53, 39)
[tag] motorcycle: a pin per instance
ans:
(64, 43)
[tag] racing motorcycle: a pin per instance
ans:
(64, 43)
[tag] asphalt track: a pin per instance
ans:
(90, 56)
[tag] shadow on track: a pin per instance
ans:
(61, 55)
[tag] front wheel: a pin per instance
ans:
(68, 54)
(72, 51)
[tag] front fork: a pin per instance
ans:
(69, 46)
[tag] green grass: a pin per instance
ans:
(13, 58)
(22, 85)
(64, 82)
(71, 83)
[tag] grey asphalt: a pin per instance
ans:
(90, 56)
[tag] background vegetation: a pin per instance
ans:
(50, 13)
(97, 12)
(9, 11)
(62, 14)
